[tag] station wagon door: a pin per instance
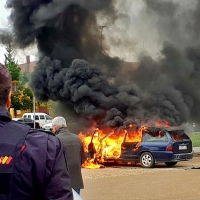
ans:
(130, 146)
(156, 144)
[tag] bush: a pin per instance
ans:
(195, 137)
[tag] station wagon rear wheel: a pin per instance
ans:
(147, 160)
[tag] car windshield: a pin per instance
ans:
(178, 135)
(48, 117)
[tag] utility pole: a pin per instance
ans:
(101, 29)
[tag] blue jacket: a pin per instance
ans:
(40, 172)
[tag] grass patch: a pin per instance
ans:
(195, 137)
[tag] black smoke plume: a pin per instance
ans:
(74, 69)
(6, 37)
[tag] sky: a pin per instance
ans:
(143, 31)
(3, 14)
(20, 55)
(122, 50)
(137, 37)
(3, 24)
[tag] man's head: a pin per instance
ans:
(5, 87)
(58, 122)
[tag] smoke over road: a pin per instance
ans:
(75, 67)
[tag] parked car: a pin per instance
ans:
(28, 121)
(147, 146)
(41, 118)
(47, 127)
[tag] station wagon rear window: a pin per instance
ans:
(178, 135)
(159, 137)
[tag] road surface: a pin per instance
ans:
(136, 183)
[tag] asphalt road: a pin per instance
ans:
(181, 182)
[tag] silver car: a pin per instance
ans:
(47, 127)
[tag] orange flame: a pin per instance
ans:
(106, 146)
(162, 123)
(89, 164)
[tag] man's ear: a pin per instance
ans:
(8, 103)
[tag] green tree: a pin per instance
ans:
(9, 54)
(11, 64)
(24, 79)
(22, 98)
(16, 101)
(27, 95)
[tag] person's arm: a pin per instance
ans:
(58, 185)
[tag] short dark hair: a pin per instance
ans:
(5, 84)
(4, 96)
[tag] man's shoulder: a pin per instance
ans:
(41, 131)
(68, 136)
(68, 133)
(20, 125)
(42, 138)
(36, 132)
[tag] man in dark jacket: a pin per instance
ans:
(32, 164)
(73, 149)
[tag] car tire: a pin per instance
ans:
(170, 164)
(147, 160)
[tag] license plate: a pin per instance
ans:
(182, 147)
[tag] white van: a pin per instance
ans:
(42, 118)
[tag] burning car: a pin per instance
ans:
(144, 145)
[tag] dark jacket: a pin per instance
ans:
(73, 149)
(40, 171)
